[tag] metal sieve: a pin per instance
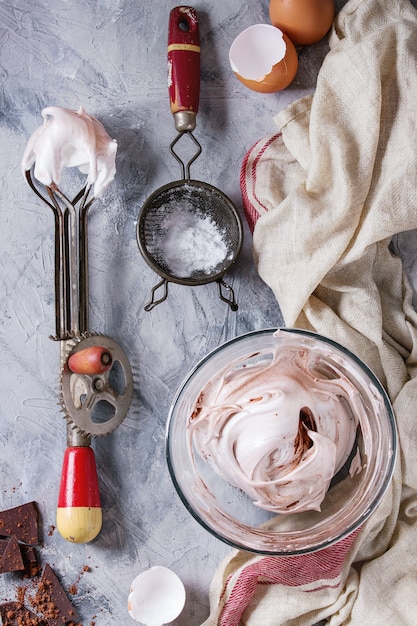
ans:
(188, 218)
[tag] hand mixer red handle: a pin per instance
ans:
(79, 515)
(184, 66)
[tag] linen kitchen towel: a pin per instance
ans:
(324, 196)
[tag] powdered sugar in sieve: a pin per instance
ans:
(187, 234)
(193, 243)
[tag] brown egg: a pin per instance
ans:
(304, 21)
(263, 58)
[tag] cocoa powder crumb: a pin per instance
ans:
(20, 594)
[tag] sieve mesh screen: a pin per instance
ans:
(189, 232)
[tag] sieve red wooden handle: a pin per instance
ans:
(184, 64)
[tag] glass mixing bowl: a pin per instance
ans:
(354, 492)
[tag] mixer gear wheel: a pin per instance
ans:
(96, 403)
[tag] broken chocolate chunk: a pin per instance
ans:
(21, 521)
(51, 600)
(18, 557)
(11, 559)
(15, 614)
(30, 560)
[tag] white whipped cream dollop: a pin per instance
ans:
(70, 138)
(278, 426)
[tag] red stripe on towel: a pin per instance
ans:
(250, 177)
(291, 571)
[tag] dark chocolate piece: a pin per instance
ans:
(15, 614)
(11, 559)
(18, 557)
(51, 600)
(30, 560)
(21, 521)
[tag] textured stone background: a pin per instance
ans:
(110, 57)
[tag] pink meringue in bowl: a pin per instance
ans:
(281, 442)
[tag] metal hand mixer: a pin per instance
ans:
(96, 378)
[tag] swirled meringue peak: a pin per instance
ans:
(70, 138)
(278, 425)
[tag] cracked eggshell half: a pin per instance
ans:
(263, 58)
(156, 597)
